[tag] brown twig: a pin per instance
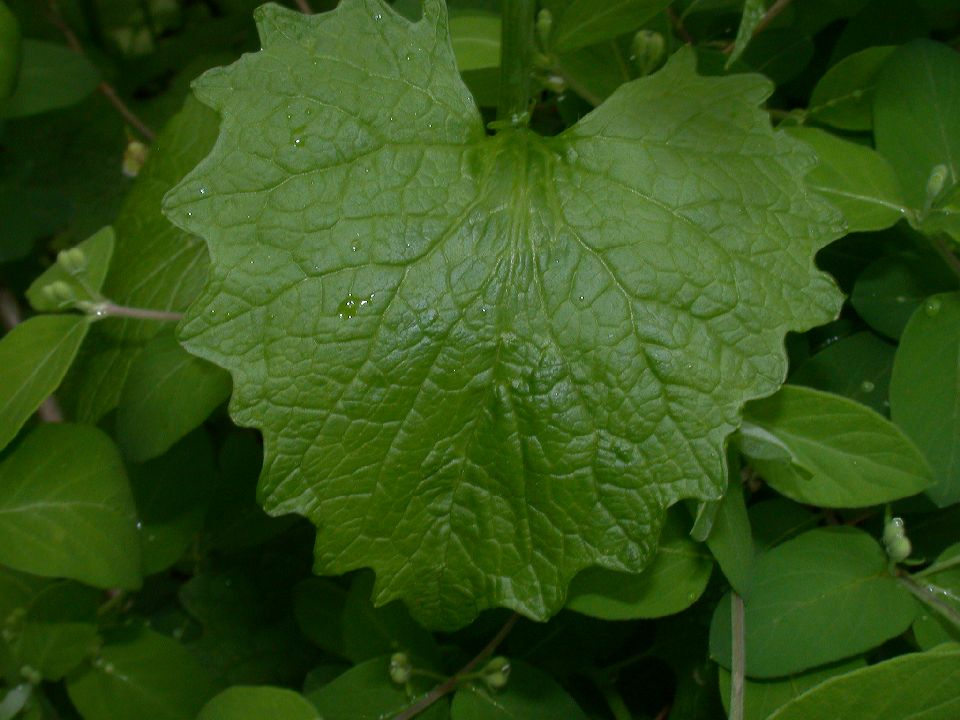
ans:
(105, 88)
(451, 682)
(304, 7)
(10, 316)
(678, 27)
(768, 17)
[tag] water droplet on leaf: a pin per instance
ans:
(867, 386)
(932, 307)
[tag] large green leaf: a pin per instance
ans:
(481, 364)
(916, 115)
(821, 597)
(35, 356)
(917, 685)
(155, 265)
(925, 390)
(66, 509)
(841, 454)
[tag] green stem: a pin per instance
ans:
(738, 665)
(516, 61)
(937, 567)
(931, 600)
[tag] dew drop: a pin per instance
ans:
(867, 386)
(298, 141)
(203, 191)
(378, 17)
(932, 307)
(351, 305)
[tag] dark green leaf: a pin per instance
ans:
(730, 540)
(366, 693)
(172, 493)
(916, 115)
(855, 178)
(889, 291)
(440, 328)
(674, 580)
(777, 520)
(67, 510)
(844, 454)
(585, 22)
(762, 697)
(319, 604)
(924, 397)
(753, 12)
(823, 596)
(918, 685)
(258, 703)
(51, 76)
(843, 98)
(530, 694)
(931, 628)
(35, 356)
(857, 366)
(168, 393)
(141, 675)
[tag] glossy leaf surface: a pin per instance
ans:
(482, 364)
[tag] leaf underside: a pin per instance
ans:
(481, 364)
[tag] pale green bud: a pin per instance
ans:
(544, 27)
(496, 673)
(647, 51)
(60, 293)
(899, 549)
(400, 668)
(893, 530)
(73, 261)
(936, 181)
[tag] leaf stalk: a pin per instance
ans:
(516, 62)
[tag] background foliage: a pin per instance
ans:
(140, 576)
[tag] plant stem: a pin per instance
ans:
(516, 60)
(109, 309)
(105, 88)
(304, 7)
(451, 682)
(931, 600)
(768, 17)
(738, 663)
(937, 567)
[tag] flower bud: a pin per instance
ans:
(496, 673)
(936, 181)
(893, 530)
(647, 51)
(134, 156)
(899, 549)
(400, 668)
(73, 261)
(60, 292)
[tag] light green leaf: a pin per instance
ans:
(762, 697)
(436, 330)
(476, 40)
(917, 685)
(855, 178)
(845, 454)
(931, 628)
(66, 508)
(857, 366)
(843, 97)
(258, 703)
(530, 694)
(891, 288)
(753, 12)
(86, 283)
(730, 540)
(916, 115)
(925, 391)
(586, 22)
(139, 675)
(823, 596)
(35, 356)
(365, 692)
(167, 394)
(674, 580)
(51, 76)
(155, 265)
